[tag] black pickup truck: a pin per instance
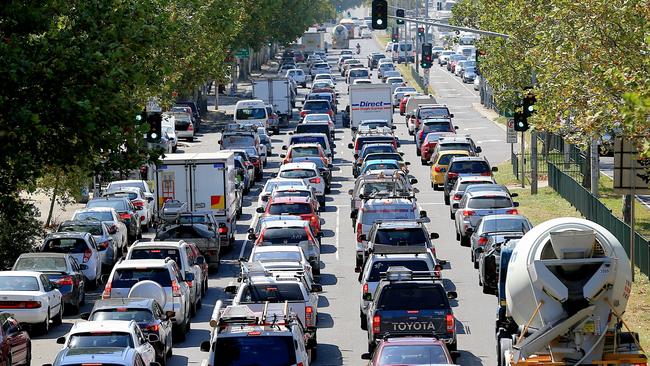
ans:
(410, 303)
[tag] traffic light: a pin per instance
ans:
(521, 122)
(421, 32)
(379, 14)
(427, 56)
(155, 126)
(400, 14)
(529, 103)
(140, 117)
(394, 37)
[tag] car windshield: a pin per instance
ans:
(18, 283)
(272, 293)
(412, 296)
(437, 127)
(433, 112)
(277, 257)
(298, 173)
(388, 213)
(93, 229)
(489, 202)
(292, 235)
(198, 219)
(127, 277)
(474, 167)
(251, 113)
(505, 225)
(65, 245)
(118, 186)
(404, 354)
(42, 264)
(155, 253)
(238, 140)
(381, 266)
(259, 350)
(123, 313)
(400, 236)
(100, 339)
(118, 205)
(371, 188)
(94, 215)
(290, 209)
(446, 158)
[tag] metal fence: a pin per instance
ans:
(593, 209)
(568, 166)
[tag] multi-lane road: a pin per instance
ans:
(341, 340)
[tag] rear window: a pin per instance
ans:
(373, 125)
(463, 185)
(93, 229)
(371, 188)
(118, 205)
(290, 209)
(96, 215)
(406, 354)
(445, 159)
(250, 113)
(152, 253)
(380, 266)
(308, 140)
(488, 202)
(379, 149)
(268, 351)
(380, 156)
(375, 139)
(139, 315)
(299, 152)
(293, 235)
(433, 112)
(437, 127)
(41, 264)
(469, 167)
(312, 128)
(129, 195)
(127, 277)
(513, 225)
(18, 283)
(388, 213)
(292, 194)
(65, 245)
(298, 173)
(101, 340)
(273, 293)
(380, 166)
(277, 257)
(199, 219)
(358, 73)
(316, 105)
(412, 296)
(406, 47)
(400, 237)
(238, 140)
(118, 186)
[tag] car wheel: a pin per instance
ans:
(417, 151)
(57, 320)
(188, 326)
(74, 309)
(364, 321)
(464, 240)
(446, 200)
(457, 236)
(452, 216)
(170, 353)
(190, 139)
(193, 309)
(82, 296)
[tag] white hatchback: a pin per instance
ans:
(271, 184)
(310, 175)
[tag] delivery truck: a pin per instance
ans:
(313, 41)
(204, 182)
(370, 102)
(277, 92)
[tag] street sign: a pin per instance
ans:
(153, 106)
(243, 53)
(629, 170)
(511, 134)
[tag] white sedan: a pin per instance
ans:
(31, 298)
(310, 175)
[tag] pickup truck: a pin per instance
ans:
(410, 303)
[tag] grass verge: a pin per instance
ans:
(406, 74)
(548, 204)
(614, 202)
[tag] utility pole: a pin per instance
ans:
(406, 56)
(523, 159)
(533, 162)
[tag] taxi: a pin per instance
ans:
(439, 164)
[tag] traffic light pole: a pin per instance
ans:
(417, 39)
(523, 159)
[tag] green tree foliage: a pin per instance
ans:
(590, 61)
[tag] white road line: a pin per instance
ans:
(475, 128)
(336, 234)
(243, 248)
(431, 203)
(484, 141)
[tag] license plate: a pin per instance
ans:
(589, 327)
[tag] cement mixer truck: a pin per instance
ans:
(567, 285)
(340, 37)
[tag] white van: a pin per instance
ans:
(251, 112)
(355, 74)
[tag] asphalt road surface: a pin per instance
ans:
(341, 340)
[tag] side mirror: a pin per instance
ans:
(393, 127)
(250, 230)
(455, 127)
(451, 115)
(434, 235)
(495, 169)
(83, 267)
(60, 340)
(84, 316)
(149, 199)
(189, 276)
(112, 229)
(356, 156)
(513, 195)
(469, 230)
(252, 236)
(367, 296)
(153, 338)
(170, 314)
(330, 166)
(366, 356)
(515, 204)
(350, 192)
(455, 205)
(363, 237)
(407, 163)
(316, 288)
(479, 149)
(413, 180)
(283, 156)
(350, 146)
(354, 129)
(205, 346)
(200, 260)
(259, 210)
(401, 113)
(230, 289)
(220, 142)
(284, 147)
(423, 213)
(452, 295)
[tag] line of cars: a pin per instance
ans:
(461, 62)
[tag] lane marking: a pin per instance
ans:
(484, 141)
(431, 203)
(336, 234)
(475, 128)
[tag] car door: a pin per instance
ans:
(194, 268)
(54, 301)
(95, 262)
(121, 227)
(165, 324)
(77, 276)
(17, 339)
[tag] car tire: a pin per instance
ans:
(446, 199)
(190, 139)
(193, 307)
(58, 319)
(364, 321)
(417, 152)
(74, 309)
(457, 236)
(44, 327)
(464, 240)
(316, 271)
(452, 216)
(170, 352)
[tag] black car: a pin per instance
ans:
(60, 268)
(465, 166)
(149, 315)
(125, 210)
(195, 112)
(374, 58)
(312, 127)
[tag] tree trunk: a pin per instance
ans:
(54, 190)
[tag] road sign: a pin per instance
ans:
(626, 166)
(243, 53)
(511, 134)
(153, 106)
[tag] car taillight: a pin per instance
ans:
(190, 127)
(20, 304)
(125, 216)
(223, 230)
(482, 241)
(315, 180)
(437, 271)
(309, 316)
(87, 255)
(152, 328)
(486, 174)
(365, 288)
(303, 113)
(452, 175)
(65, 281)
(450, 323)
(512, 212)
(376, 321)
(468, 212)
(359, 228)
(176, 289)
(103, 245)
(138, 203)
(107, 291)
(457, 197)
(421, 134)
(437, 169)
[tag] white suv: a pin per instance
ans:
(166, 274)
(181, 253)
(310, 175)
(106, 334)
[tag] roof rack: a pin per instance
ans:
(249, 270)
(382, 249)
(400, 273)
(242, 315)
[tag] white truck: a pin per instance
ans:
(277, 92)
(567, 284)
(340, 38)
(313, 41)
(204, 181)
(370, 101)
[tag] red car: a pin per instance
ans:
(199, 260)
(409, 351)
(15, 344)
(298, 206)
(429, 144)
(402, 105)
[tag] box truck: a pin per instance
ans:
(313, 41)
(277, 92)
(370, 101)
(205, 182)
